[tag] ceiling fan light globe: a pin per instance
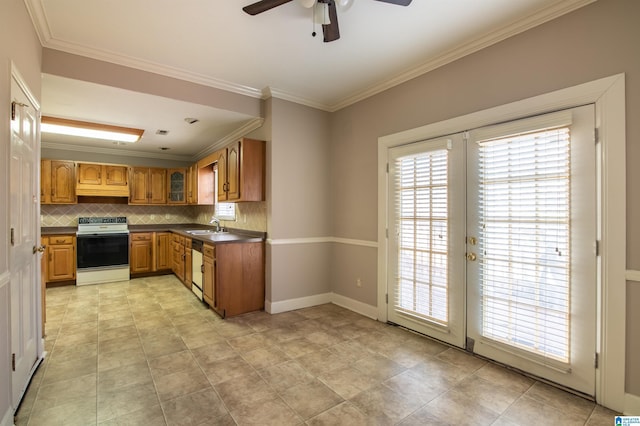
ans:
(344, 5)
(321, 14)
(307, 3)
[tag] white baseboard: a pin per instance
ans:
(631, 405)
(320, 299)
(355, 306)
(293, 304)
(7, 419)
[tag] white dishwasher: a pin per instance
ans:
(196, 268)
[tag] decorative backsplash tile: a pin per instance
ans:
(250, 216)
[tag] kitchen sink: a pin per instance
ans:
(204, 231)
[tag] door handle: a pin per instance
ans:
(471, 257)
(39, 249)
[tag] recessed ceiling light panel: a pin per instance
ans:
(86, 129)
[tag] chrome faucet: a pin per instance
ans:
(216, 222)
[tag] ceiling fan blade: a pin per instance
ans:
(331, 31)
(398, 2)
(263, 6)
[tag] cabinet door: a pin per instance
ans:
(141, 256)
(115, 175)
(188, 272)
(177, 183)
(45, 182)
(89, 174)
(138, 192)
(189, 185)
(63, 183)
(61, 263)
(208, 276)
(163, 251)
(157, 186)
(233, 172)
(221, 159)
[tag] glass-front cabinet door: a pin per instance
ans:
(177, 185)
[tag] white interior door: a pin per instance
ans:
(426, 238)
(531, 221)
(24, 262)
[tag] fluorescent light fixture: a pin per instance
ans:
(62, 126)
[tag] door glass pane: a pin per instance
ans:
(525, 227)
(422, 226)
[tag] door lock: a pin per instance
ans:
(38, 249)
(471, 257)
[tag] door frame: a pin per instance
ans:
(608, 95)
(40, 352)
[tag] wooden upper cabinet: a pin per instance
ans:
(177, 186)
(89, 174)
(102, 180)
(58, 182)
(157, 186)
(233, 171)
(241, 169)
(148, 186)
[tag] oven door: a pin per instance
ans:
(102, 250)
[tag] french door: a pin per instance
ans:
(492, 243)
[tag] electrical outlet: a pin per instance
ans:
(153, 216)
(167, 216)
(358, 282)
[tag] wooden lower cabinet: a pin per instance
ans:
(208, 275)
(188, 275)
(178, 258)
(238, 276)
(61, 258)
(164, 250)
(150, 252)
(141, 252)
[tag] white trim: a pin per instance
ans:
(7, 419)
(632, 275)
(115, 151)
(322, 240)
(631, 405)
(555, 10)
(299, 303)
(5, 278)
(355, 305)
(321, 299)
(608, 94)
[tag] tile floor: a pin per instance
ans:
(146, 352)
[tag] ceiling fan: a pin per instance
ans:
(330, 31)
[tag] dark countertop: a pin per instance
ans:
(58, 230)
(232, 236)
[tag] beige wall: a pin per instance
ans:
(19, 45)
(596, 41)
(298, 206)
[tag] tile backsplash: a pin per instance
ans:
(250, 216)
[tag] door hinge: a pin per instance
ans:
(596, 136)
(13, 362)
(14, 104)
(13, 237)
(387, 167)
(596, 360)
(386, 232)
(386, 298)
(597, 248)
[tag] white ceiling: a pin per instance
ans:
(213, 42)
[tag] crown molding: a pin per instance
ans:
(540, 17)
(38, 16)
(118, 152)
(270, 92)
(233, 136)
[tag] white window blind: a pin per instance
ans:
(524, 242)
(422, 227)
